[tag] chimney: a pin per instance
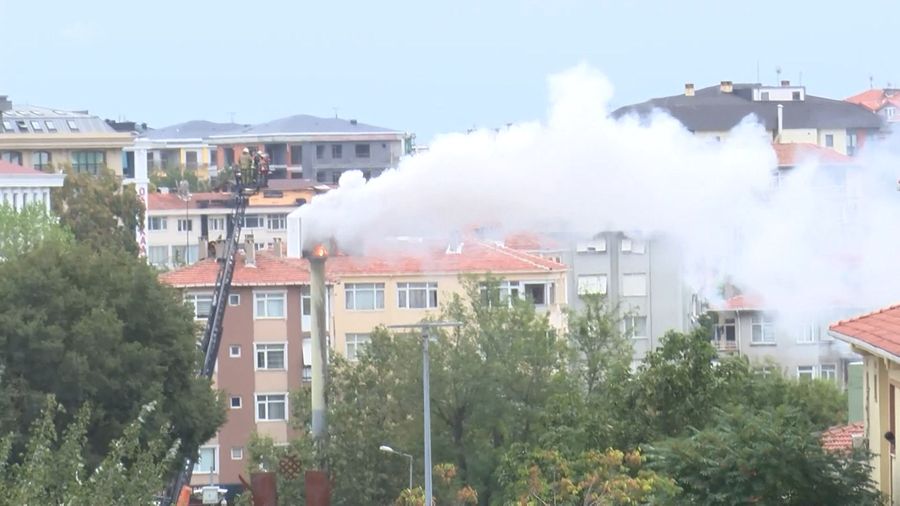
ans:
(353, 122)
(5, 104)
(726, 87)
(276, 246)
(249, 251)
(689, 89)
(785, 83)
(780, 125)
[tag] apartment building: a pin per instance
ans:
(800, 346)
(50, 139)
(184, 145)
(178, 229)
(21, 186)
(788, 114)
(884, 102)
(317, 149)
(265, 338)
(639, 276)
(876, 336)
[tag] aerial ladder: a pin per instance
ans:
(245, 185)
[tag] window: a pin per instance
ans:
(417, 295)
(157, 223)
(185, 224)
(320, 177)
(851, 142)
(41, 160)
(307, 359)
(216, 223)
(337, 151)
(201, 302)
(808, 334)
(213, 157)
(829, 140)
(254, 221)
(635, 326)
(73, 126)
(763, 329)
(270, 356)
(12, 157)
(184, 256)
(828, 372)
(206, 460)
(271, 407)
(8, 126)
(51, 126)
(594, 246)
(764, 96)
(36, 126)
(539, 293)
(234, 299)
(355, 344)
(158, 255)
(361, 150)
(234, 351)
(320, 151)
(237, 453)
(889, 112)
(235, 402)
(634, 285)
(277, 221)
(726, 333)
(592, 284)
(88, 161)
(191, 160)
(795, 95)
(805, 372)
(268, 304)
(633, 246)
(364, 296)
(22, 124)
(296, 155)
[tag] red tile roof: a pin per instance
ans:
(790, 155)
(529, 241)
(840, 437)
(476, 257)
(880, 329)
(14, 168)
(170, 201)
(876, 98)
(741, 302)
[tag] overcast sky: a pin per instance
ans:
(422, 66)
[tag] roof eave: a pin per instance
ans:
(863, 345)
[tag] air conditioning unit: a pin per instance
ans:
(859, 441)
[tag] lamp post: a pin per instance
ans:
(184, 193)
(388, 449)
(426, 329)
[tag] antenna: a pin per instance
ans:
(335, 112)
(230, 117)
(757, 71)
(778, 74)
(871, 81)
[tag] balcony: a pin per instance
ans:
(725, 345)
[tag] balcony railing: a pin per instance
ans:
(725, 345)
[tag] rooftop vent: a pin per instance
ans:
(5, 104)
(353, 122)
(726, 86)
(785, 83)
(689, 89)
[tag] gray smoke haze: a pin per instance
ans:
(823, 236)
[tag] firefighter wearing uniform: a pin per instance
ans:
(245, 166)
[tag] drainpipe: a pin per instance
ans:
(780, 126)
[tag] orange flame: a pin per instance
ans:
(319, 251)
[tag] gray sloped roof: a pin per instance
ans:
(197, 129)
(712, 110)
(304, 123)
(48, 120)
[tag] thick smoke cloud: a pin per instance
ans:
(822, 236)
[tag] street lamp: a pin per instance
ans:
(184, 193)
(426, 328)
(388, 449)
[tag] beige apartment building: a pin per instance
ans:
(266, 337)
(50, 139)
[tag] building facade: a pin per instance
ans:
(184, 145)
(316, 149)
(876, 336)
(788, 114)
(884, 102)
(21, 186)
(264, 348)
(53, 139)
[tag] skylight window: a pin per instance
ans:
(36, 126)
(51, 126)
(8, 126)
(72, 125)
(22, 124)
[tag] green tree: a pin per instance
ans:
(99, 211)
(97, 327)
(770, 456)
(22, 231)
(170, 177)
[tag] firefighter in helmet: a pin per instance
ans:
(245, 164)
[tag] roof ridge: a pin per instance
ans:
(864, 315)
(519, 255)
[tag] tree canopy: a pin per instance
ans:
(22, 230)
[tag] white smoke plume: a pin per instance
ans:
(818, 239)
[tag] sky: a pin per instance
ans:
(423, 67)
